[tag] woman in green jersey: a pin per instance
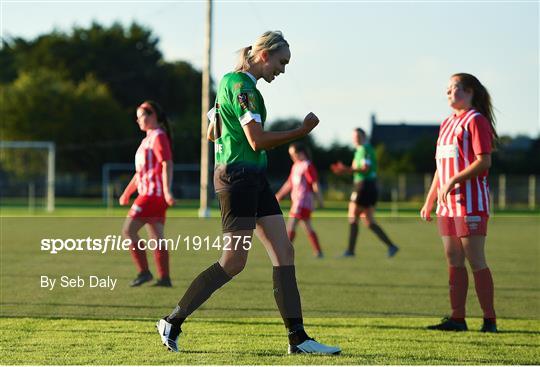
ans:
(364, 195)
(245, 198)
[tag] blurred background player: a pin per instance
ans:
(153, 181)
(302, 184)
(460, 184)
(364, 195)
(244, 195)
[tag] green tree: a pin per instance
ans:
(83, 119)
(128, 62)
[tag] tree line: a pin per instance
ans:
(80, 89)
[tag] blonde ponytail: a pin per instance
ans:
(243, 59)
(270, 41)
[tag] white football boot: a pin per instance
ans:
(311, 346)
(169, 334)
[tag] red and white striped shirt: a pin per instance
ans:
(461, 139)
(153, 151)
(303, 176)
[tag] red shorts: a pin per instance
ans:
(149, 209)
(301, 213)
(462, 226)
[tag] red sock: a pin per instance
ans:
(483, 282)
(314, 242)
(161, 256)
(459, 284)
(291, 235)
(139, 258)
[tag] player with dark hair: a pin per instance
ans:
(460, 186)
(244, 195)
(153, 181)
(364, 196)
(302, 184)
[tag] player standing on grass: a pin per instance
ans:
(152, 180)
(245, 198)
(302, 184)
(364, 196)
(460, 184)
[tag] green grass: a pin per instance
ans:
(189, 208)
(374, 308)
(260, 341)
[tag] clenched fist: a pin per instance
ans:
(310, 121)
(124, 199)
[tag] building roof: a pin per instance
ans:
(401, 136)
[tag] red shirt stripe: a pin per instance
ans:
(302, 177)
(461, 139)
(153, 151)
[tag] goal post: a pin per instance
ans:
(50, 147)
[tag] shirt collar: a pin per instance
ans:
(153, 131)
(463, 113)
(250, 76)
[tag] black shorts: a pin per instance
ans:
(245, 197)
(365, 193)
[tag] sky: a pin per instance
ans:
(349, 59)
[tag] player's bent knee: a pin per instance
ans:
(286, 255)
(233, 267)
(290, 252)
(127, 232)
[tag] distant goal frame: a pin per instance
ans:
(51, 158)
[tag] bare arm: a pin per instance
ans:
(261, 140)
(129, 190)
(363, 168)
(340, 169)
(167, 177)
(425, 212)
(482, 163)
(318, 193)
(210, 132)
(432, 193)
(284, 190)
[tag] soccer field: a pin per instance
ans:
(375, 308)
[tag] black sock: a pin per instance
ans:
(175, 317)
(287, 296)
(198, 292)
(353, 233)
(297, 335)
(380, 233)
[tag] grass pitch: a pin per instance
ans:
(261, 341)
(373, 307)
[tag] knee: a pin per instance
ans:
(128, 232)
(285, 256)
(370, 224)
(353, 219)
(477, 264)
(455, 258)
(289, 254)
(233, 267)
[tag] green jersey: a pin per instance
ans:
(237, 103)
(365, 154)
